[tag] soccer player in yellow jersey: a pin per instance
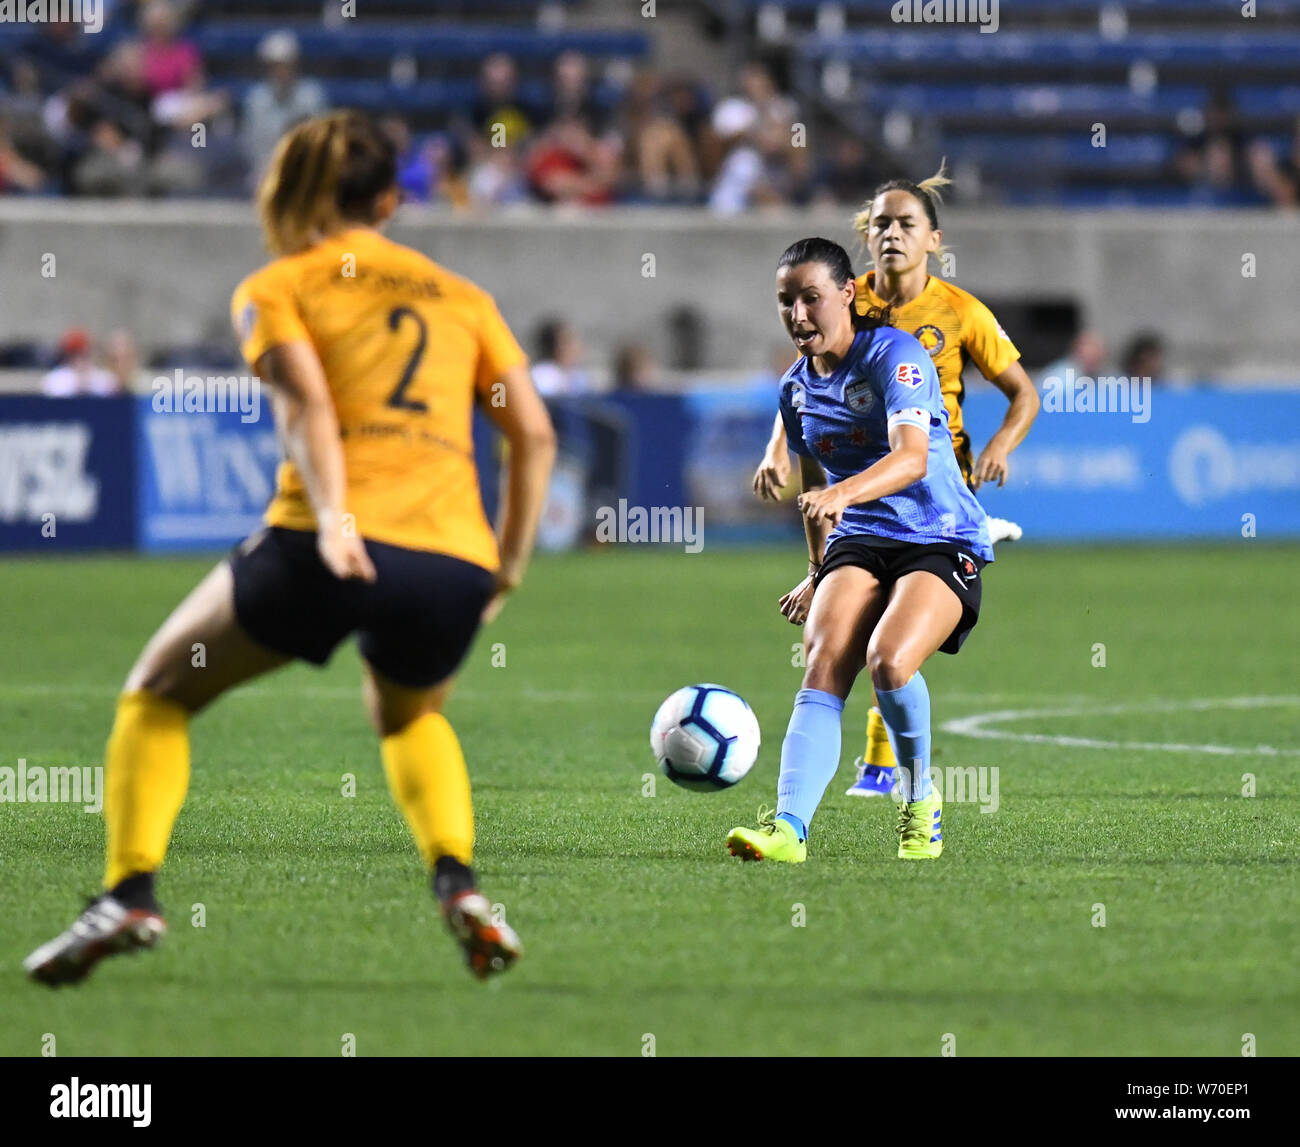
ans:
(375, 357)
(900, 228)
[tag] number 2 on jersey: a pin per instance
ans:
(398, 398)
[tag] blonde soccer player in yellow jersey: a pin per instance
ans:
(375, 357)
(899, 226)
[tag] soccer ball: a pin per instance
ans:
(705, 737)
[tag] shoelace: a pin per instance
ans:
(766, 819)
(93, 919)
(904, 819)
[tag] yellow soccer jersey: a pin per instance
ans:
(406, 346)
(953, 326)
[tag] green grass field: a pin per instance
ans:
(636, 921)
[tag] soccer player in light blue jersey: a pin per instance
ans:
(896, 542)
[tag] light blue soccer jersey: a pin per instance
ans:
(843, 421)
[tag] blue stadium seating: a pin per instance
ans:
(1075, 51)
(424, 41)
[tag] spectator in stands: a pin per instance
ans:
(182, 165)
(496, 177)
(685, 102)
(1278, 179)
(635, 368)
(557, 369)
(77, 373)
(842, 175)
(169, 61)
(122, 359)
(281, 99)
(663, 165)
(1214, 156)
(501, 116)
(113, 165)
(739, 181)
(759, 89)
(23, 110)
(1086, 356)
(1144, 357)
(569, 165)
(571, 94)
(425, 166)
(117, 90)
(17, 174)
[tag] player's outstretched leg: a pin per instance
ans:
(922, 613)
(427, 777)
(146, 774)
(844, 609)
(876, 766)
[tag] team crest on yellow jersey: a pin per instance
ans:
(930, 337)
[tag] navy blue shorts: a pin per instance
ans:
(414, 624)
(888, 559)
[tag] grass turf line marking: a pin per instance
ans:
(974, 726)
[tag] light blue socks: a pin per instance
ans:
(907, 717)
(810, 755)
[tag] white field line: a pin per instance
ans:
(977, 726)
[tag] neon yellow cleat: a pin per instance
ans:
(920, 828)
(772, 840)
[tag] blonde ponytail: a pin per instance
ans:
(323, 172)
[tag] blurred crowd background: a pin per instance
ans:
(727, 108)
(729, 104)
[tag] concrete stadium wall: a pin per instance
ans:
(165, 270)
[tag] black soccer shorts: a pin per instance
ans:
(414, 623)
(888, 559)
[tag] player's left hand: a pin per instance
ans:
(822, 506)
(990, 466)
(508, 580)
(796, 604)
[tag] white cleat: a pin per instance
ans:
(1001, 530)
(490, 946)
(105, 928)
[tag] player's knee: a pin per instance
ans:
(392, 711)
(828, 670)
(150, 675)
(889, 666)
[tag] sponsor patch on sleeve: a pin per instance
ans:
(909, 374)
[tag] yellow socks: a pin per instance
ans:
(146, 774)
(878, 752)
(427, 777)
